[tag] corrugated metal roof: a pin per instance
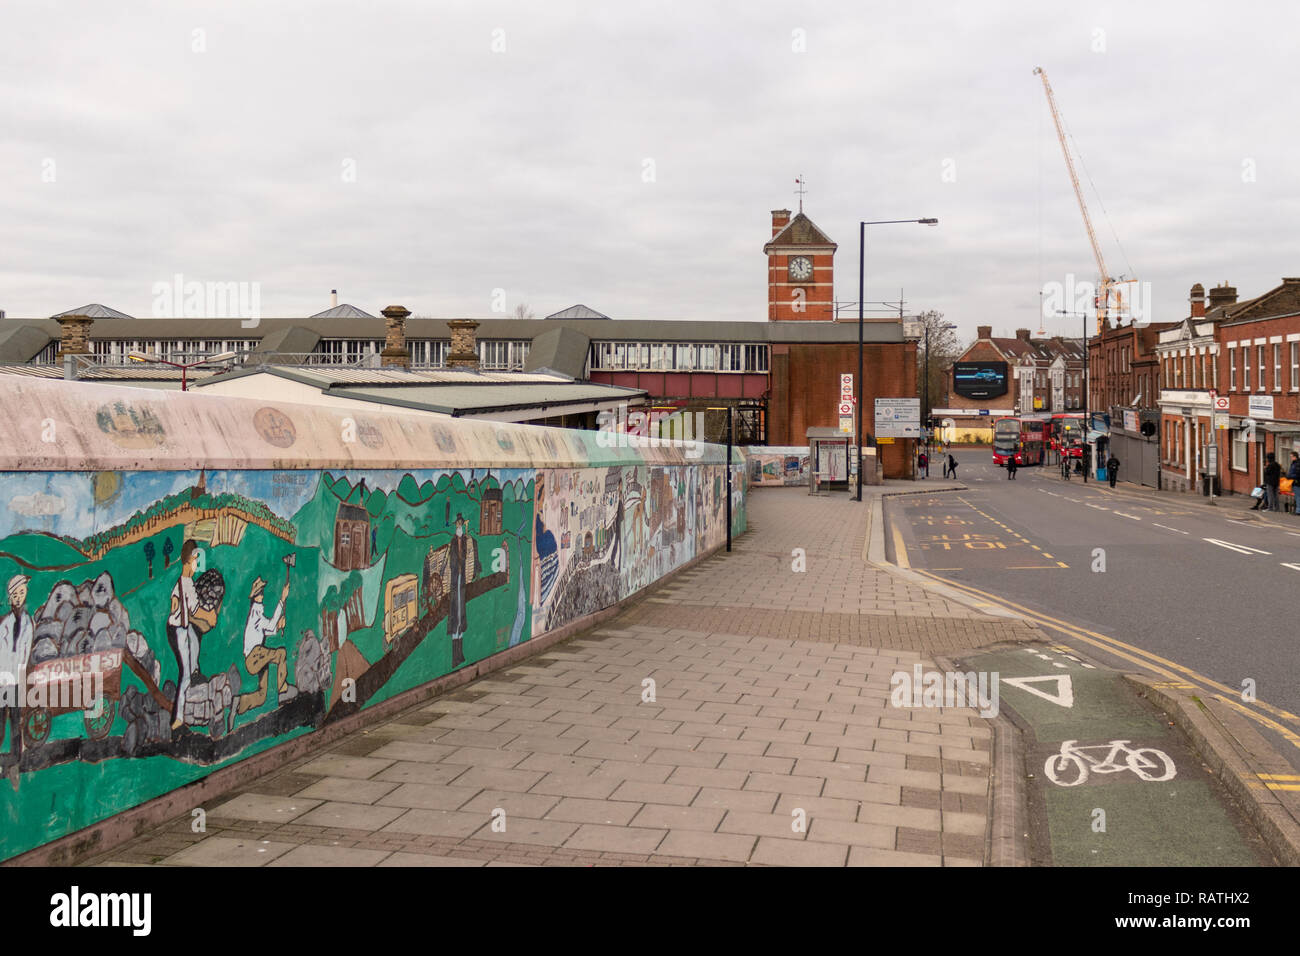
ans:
(578, 311)
(95, 311)
(880, 330)
(397, 376)
(455, 399)
(344, 311)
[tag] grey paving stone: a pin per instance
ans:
(676, 817)
(360, 768)
(407, 750)
(534, 805)
(263, 809)
(226, 851)
(348, 790)
(872, 856)
(499, 778)
(761, 824)
(752, 801)
(404, 858)
(449, 823)
(350, 816)
(331, 856)
(638, 791)
(774, 851)
(583, 810)
(524, 830)
(607, 839)
(711, 846)
(429, 796)
(827, 830)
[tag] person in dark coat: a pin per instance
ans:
(1011, 468)
(1272, 477)
(952, 467)
(457, 558)
(1112, 469)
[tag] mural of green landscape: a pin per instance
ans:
(221, 613)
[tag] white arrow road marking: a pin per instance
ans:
(1167, 528)
(1239, 548)
(1064, 696)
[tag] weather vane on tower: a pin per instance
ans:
(801, 190)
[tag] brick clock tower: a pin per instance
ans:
(800, 270)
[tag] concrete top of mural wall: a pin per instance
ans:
(81, 426)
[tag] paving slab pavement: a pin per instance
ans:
(739, 715)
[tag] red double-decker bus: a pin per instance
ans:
(1067, 434)
(1023, 439)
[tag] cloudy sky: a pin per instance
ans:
(628, 155)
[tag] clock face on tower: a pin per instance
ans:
(801, 268)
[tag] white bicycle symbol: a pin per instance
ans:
(1070, 766)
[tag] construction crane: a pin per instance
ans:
(1107, 283)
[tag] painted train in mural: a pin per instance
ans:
(224, 612)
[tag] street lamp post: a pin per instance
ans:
(183, 366)
(862, 279)
(1087, 416)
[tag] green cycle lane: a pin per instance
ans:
(1128, 791)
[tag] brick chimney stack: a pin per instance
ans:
(1198, 301)
(395, 353)
(74, 335)
(464, 344)
(984, 331)
(1022, 335)
(1223, 295)
(780, 219)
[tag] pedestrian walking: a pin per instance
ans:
(1272, 478)
(952, 467)
(923, 461)
(1011, 468)
(1112, 469)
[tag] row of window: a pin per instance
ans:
(1261, 355)
(680, 357)
(116, 351)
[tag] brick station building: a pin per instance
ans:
(779, 377)
(1249, 354)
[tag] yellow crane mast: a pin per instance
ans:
(1107, 282)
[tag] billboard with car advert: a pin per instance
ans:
(979, 379)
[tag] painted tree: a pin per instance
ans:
(168, 548)
(149, 556)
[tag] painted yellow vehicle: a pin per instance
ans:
(400, 605)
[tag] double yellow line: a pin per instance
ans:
(1176, 674)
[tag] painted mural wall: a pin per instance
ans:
(772, 465)
(163, 623)
(601, 535)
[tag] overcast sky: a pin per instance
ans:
(628, 156)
